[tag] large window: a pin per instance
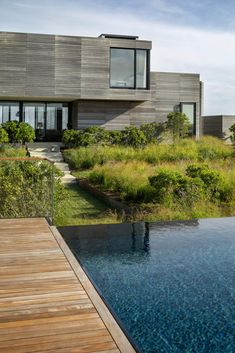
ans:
(189, 109)
(9, 111)
(128, 68)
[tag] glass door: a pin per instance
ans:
(56, 121)
(34, 115)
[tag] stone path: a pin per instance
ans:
(52, 152)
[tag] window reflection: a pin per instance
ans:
(189, 110)
(141, 68)
(128, 68)
(122, 68)
(9, 111)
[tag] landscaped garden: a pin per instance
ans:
(157, 171)
(160, 179)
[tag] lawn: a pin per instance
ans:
(80, 207)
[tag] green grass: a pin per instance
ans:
(80, 207)
(6, 151)
(126, 170)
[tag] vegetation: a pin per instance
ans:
(130, 136)
(207, 148)
(232, 130)
(80, 207)
(178, 124)
(3, 136)
(7, 151)
(26, 189)
(18, 132)
(181, 180)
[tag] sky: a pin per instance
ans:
(195, 36)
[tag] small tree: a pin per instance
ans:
(232, 130)
(3, 136)
(179, 125)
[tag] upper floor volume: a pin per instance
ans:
(53, 66)
(54, 82)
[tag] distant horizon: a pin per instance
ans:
(186, 37)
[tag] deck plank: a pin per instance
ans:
(44, 307)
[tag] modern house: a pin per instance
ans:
(218, 125)
(55, 82)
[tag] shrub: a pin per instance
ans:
(171, 185)
(153, 131)
(134, 137)
(25, 133)
(3, 136)
(71, 138)
(178, 124)
(98, 133)
(115, 137)
(11, 128)
(19, 131)
(213, 182)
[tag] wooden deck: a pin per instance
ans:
(47, 304)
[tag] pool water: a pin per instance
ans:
(171, 284)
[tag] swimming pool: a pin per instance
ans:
(170, 284)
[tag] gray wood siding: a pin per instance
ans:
(167, 91)
(218, 125)
(69, 68)
(227, 122)
(213, 125)
(51, 67)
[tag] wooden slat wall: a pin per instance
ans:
(213, 125)
(52, 67)
(167, 91)
(43, 305)
(69, 68)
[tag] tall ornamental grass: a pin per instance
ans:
(207, 148)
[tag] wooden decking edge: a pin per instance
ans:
(116, 332)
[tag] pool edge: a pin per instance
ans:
(112, 325)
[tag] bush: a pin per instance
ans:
(134, 137)
(19, 131)
(71, 138)
(98, 133)
(214, 185)
(153, 131)
(11, 128)
(3, 136)
(25, 133)
(172, 186)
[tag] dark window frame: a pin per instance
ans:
(194, 115)
(147, 69)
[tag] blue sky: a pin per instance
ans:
(187, 35)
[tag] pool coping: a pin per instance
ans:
(119, 336)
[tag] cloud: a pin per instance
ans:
(175, 47)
